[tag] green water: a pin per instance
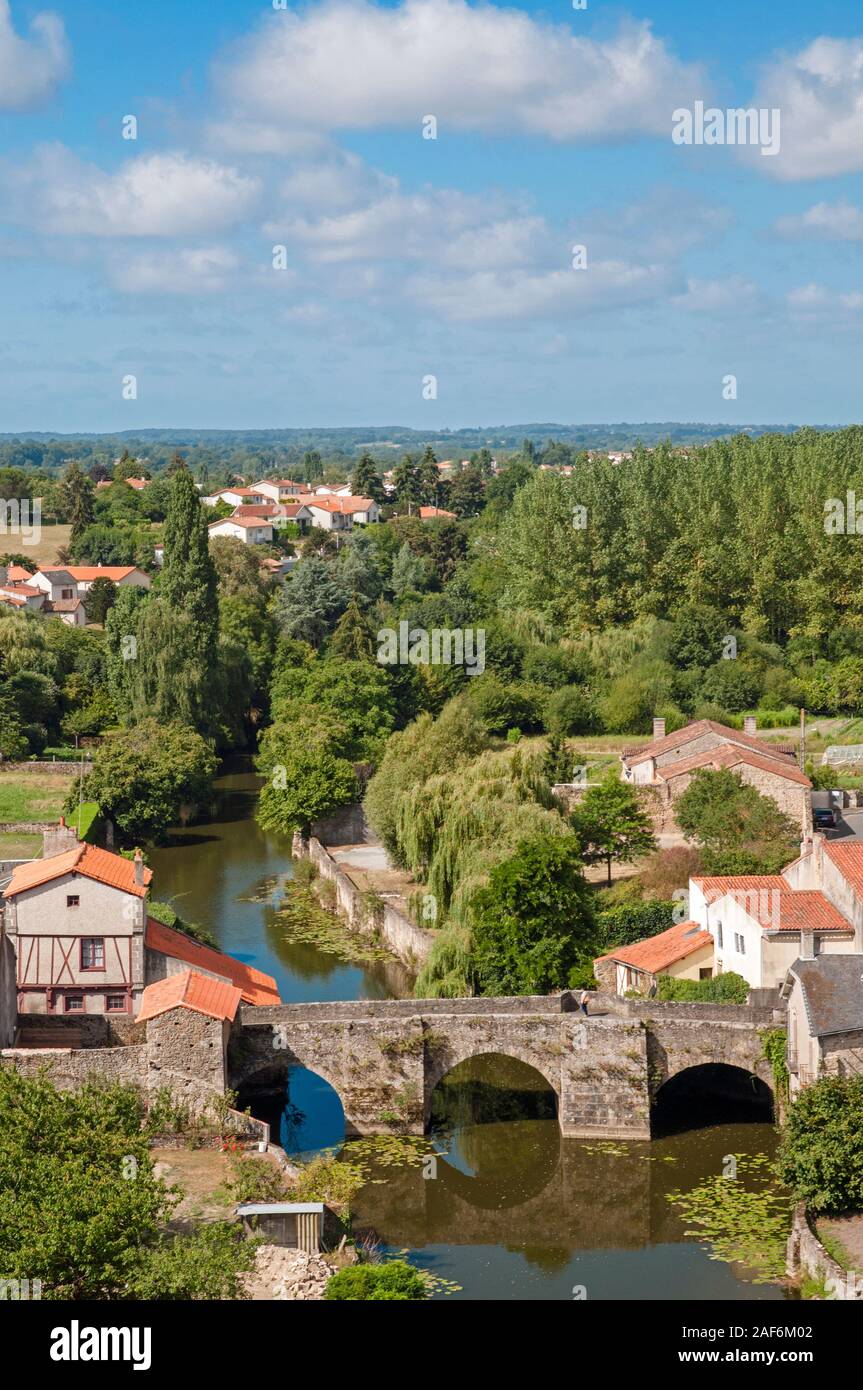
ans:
(513, 1211)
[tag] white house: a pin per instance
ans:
(250, 530)
(61, 582)
(340, 513)
(279, 489)
(235, 496)
(762, 923)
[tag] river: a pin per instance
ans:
(507, 1209)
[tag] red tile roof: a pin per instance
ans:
(16, 574)
(263, 509)
(254, 985)
(658, 952)
(247, 522)
(807, 909)
(83, 574)
(346, 505)
(793, 909)
(190, 990)
(848, 859)
(728, 755)
(426, 513)
(681, 737)
(84, 859)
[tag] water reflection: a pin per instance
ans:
(516, 1211)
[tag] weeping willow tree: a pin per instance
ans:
(450, 809)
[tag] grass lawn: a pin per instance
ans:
(20, 846)
(33, 796)
(45, 550)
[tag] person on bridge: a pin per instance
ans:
(582, 1001)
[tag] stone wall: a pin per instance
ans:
(391, 927)
(186, 1052)
(806, 1256)
(69, 1069)
(842, 1054)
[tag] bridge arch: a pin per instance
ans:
(442, 1062)
(711, 1092)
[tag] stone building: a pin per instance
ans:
(684, 952)
(824, 997)
(668, 764)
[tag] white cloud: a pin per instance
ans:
(818, 301)
(32, 68)
(189, 270)
(498, 296)
(824, 222)
(819, 92)
(159, 195)
(732, 295)
(349, 64)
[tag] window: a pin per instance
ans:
(74, 1003)
(93, 953)
(719, 934)
(740, 944)
(67, 593)
(705, 973)
(72, 900)
(116, 1004)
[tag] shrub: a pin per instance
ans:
(722, 989)
(821, 1157)
(620, 926)
(374, 1283)
(570, 711)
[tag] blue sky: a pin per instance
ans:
(407, 257)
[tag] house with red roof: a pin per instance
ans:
(435, 514)
(251, 530)
(762, 923)
(84, 942)
(683, 952)
(340, 513)
(669, 762)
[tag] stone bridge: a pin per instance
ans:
(384, 1058)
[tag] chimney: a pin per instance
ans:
(807, 945)
(818, 859)
(139, 867)
(750, 725)
(658, 728)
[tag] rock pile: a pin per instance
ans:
(280, 1273)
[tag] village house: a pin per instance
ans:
(433, 513)
(251, 530)
(683, 952)
(235, 496)
(62, 582)
(340, 513)
(279, 489)
(668, 763)
(83, 941)
(824, 999)
(755, 925)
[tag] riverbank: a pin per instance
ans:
(371, 911)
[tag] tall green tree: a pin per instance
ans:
(533, 924)
(78, 501)
(366, 480)
(611, 825)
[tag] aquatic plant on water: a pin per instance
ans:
(745, 1220)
